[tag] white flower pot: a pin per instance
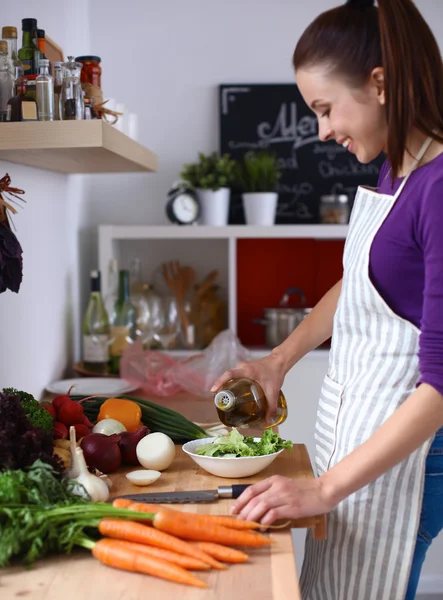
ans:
(260, 207)
(214, 206)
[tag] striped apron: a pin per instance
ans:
(373, 368)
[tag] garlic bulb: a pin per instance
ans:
(95, 487)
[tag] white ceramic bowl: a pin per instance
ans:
(244, 466)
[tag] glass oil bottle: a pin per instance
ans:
(45, 92)
(242, 403)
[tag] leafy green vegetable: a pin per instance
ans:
(38, 485)
(35, 413)
(29, 532)
(21, 442)
(236, 445)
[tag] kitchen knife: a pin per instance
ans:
(224, 491)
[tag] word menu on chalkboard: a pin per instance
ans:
(275, 117)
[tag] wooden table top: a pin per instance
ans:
(270, 574)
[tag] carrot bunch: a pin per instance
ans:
(176, 543)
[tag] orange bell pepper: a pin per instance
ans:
(126, 412)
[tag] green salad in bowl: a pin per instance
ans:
(235, 455)
(235, 445)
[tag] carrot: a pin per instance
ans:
(186, 562)
(122, 503)
(197, 529)
(115, 555)
(142, 534)
(226, 521)
(223, 553)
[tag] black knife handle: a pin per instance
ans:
(237, 490)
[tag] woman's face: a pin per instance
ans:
(353, 117)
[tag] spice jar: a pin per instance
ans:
(334, 208)
(91, 72)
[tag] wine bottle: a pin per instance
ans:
(96, 330)
(123, 322)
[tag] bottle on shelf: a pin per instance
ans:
(45, 92)
(6, 82)
(123, 322)
(242, 403)
(96, 330)
(22, 107)
(30, 54)
(9, 35)
(41, 42)
(58, 82)
(111, 294)
(72, 102)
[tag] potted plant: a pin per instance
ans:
(257, 176)
(211, 177)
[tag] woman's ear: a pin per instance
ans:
(378, 81)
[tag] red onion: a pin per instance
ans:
(102, 451)
(128, 444)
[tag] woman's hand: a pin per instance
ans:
(268, 372)
(282, 498)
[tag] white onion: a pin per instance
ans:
(108, 427)
(143, 477)
(156, 451)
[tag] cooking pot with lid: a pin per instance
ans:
(280, 322)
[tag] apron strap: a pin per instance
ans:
(428, 141)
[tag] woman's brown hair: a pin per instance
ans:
(353, 39)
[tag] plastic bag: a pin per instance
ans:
(160, 374)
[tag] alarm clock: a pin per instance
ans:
(183, 207)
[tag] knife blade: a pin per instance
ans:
(223, 491)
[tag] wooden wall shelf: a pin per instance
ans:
(74, 147)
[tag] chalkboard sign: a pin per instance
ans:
(275, 117)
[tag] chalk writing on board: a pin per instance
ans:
(275, 117)
(350, 169)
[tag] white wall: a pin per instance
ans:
(36, 326)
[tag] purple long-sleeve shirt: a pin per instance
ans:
(406, 261)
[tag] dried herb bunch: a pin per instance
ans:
(11, 262)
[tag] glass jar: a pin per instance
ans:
(91, 72)
(334, 208)
(208, 317)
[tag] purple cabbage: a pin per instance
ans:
(11, 262)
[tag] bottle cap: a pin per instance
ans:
(224, 399)
(40, 33)
(89, 58)
(44, 62)
(29, 24)
(9, 32)
(3, 47)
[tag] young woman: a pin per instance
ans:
(374, 78)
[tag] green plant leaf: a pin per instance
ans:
(258, 172)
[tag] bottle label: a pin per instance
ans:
(29, 111)
(28, 66)
(96, 348)
(120, 336)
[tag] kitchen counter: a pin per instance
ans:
(270, 574)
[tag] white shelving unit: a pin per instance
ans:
(205, 248)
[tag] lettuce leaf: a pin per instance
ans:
(236, 445)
